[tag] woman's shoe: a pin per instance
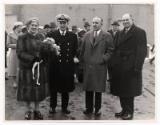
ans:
(28, 115)
(38, 115)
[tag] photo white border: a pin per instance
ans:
(93, 122)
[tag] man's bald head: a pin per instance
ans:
(127, 20)
(127, 15)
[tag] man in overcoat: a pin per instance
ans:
(127, 63)
(61, 68)
(114, 31)
(96, 50)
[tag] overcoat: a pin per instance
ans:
(112, 33)
(61, 67)
(127, 62)
(29, 50)
(12, 59)
(94, 57)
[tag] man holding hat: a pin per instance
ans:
(115, 28)
(62, 67)
(114, 31)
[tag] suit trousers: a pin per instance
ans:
(64, 100)
(127, 104)
(90, 98)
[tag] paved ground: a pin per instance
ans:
(144, 104)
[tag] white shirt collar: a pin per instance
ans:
(61, 32)
(98, 32)
(128, 28)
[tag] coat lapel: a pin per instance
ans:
(97, 40)
(91, 37)
(125, 36)
(99, 37)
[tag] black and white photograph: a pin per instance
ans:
(79, 62)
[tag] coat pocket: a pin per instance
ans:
(127, 62)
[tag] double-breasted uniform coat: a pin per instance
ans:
(127, 62)
(62, 66)
(94, 57)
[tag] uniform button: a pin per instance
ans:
(60, 60)
(67, 43)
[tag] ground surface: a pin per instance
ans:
(144, 104)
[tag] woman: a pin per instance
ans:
(32, 52)
(11, 44)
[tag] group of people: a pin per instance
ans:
(43, 71)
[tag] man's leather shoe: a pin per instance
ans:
(97, 112)
(87, 112)
(38, 115)
(52, 110)
(66, 111)
(119, 114)
(127, 116)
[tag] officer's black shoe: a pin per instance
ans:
(97, 112)
(87, 112)
(127, 116)
(119, 114)
(66, 111)
(52, 110)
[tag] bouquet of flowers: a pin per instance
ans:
(48, 44)
(51, 45)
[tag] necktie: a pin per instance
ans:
(95, 35)
(126, 30)
(114, 33)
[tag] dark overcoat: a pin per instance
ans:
(95, 57)
(29, 50)
(112, 33)
(127, 62)
(61, 68)
(109, 65)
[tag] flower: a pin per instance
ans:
(51, 45)
(49, 40)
